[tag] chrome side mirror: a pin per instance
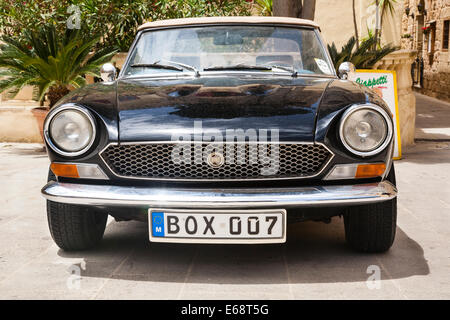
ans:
(108, 72)
(345, 69)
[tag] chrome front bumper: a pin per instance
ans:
(97, 195)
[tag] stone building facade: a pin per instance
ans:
(425, 28)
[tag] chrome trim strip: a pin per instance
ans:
(107, 195)
(212, 180)
(53, 113)
(128, 57)
(326, 52)
(218, 142)
(390, 160)
(203, 74)
(378, 109)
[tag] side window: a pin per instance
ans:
(431, 39)
(446, 35)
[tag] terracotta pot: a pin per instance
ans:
(39, 114)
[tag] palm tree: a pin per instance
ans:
(264, 6)
(355, 24)
(364, 57)
(295, 8)
(50, 63)
(387, 6)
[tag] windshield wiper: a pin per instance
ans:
(293, 72)
(238, 67)
(253, 67)
(185, 66)
(158, 65)
(155, 65)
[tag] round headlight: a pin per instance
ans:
(365, 130)
(70, 130)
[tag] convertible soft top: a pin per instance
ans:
(219, 20)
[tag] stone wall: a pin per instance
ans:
(436, 72)
(400, 62)
(437, 85)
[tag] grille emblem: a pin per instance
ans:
(215, 160)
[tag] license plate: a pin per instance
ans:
(217, 226)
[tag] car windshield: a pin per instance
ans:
(223, 48)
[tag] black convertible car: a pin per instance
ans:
(222, 130)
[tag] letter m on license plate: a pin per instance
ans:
(157, 223)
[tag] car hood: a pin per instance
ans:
(163, 110)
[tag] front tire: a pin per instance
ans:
(74, 227)
(371, 228)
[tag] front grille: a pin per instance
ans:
(242, 161)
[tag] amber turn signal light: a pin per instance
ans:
(65, 170)
(370, 170)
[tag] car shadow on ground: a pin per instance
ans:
(314, 253)
(33, 150)
(427, 152)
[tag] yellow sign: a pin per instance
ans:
(383, 82)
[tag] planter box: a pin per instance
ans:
(39, 114)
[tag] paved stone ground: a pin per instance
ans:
(433, 119)
(314, 264)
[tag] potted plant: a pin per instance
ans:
(363, 57)
(426, 30)
(54, 65)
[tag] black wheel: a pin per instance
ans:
(371, 228)
(74, 227)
